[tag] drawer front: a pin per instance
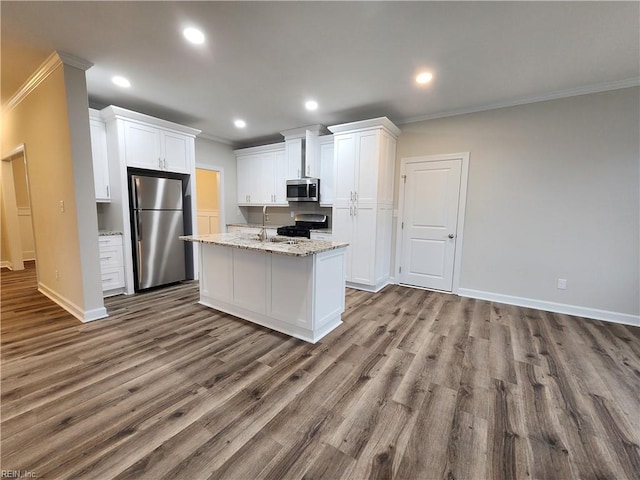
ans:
(109, 240)
(111, 256)
(112, 278)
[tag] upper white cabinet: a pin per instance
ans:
(363, 198)
(147, 146)
(327, 167)
(262, 175)
(99, 156)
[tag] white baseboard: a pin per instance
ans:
(614, 317)
(72, 308)
(28, 255)
(6, 264)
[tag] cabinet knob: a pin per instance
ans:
(451, 235)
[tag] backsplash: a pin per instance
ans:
(282, 215)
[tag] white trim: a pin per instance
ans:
(113, 112)
(6, 264)
(575, 310)
(213, 138)
(372, 123)
(28, 255)
(462, 203)
(72, 308)
(47, 67)
(571, 92)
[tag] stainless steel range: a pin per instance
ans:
(305, 222)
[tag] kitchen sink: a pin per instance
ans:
(285, 240)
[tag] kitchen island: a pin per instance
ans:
(295, 286)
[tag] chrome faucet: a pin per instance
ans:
(262, 236)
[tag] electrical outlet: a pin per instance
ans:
(57, 275)
(562, 284)
(293, 214)
(62, 206)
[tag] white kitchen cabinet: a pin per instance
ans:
(312, 155)
(111, 264)
(153, 148)
(363, 199)
(293, 153)
(261, 175)
(142, 141)
(99, 156)
(327, 167)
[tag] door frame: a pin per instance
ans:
(462, 202)
(19, 153)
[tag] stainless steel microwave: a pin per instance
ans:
(303, 190)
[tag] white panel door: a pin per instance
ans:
(176, 152)
(345, 171)
(363, 258)
(326, 173)
(142, 146)
(431, 197)
(342, 231)
(368, 154)
(280, 178)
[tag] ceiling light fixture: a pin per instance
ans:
(121, 81)
(424, 77)
(311, 105)
(240, 123)
(194, 35)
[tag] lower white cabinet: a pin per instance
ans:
(321, 236)
(111, 264)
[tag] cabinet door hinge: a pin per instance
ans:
(404, 178)
(400, 270)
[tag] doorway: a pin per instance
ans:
(18, 242)
(431, 220)
(208, 201)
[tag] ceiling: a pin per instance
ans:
(358, 60)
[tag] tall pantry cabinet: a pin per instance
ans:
(365, 155)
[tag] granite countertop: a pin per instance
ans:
(259, 225)
(105, 233)
(302, 247)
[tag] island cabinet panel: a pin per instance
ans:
(291, 282)
(249, 280)
(329, 287)
(216, 259)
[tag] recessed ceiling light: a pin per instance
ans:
(240, 123)
(424, 77)
(311, 105)
(193, 35)
(121, 82)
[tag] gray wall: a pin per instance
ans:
(553, 193)
(215, 154)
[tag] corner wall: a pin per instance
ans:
(52, 121)
(554, 192)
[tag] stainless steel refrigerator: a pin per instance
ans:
(157, 221)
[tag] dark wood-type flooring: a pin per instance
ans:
(414, 385)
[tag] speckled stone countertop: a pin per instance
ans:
(105, 233)
(302, 248)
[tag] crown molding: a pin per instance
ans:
(571, 92)
(47, 67)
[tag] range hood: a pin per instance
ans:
(302, 148)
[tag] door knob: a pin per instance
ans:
(451, 235)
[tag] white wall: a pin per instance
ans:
(553, 193)
(215, 154)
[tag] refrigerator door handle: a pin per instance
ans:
(137, 224)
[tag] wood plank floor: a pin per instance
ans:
(413, 385)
